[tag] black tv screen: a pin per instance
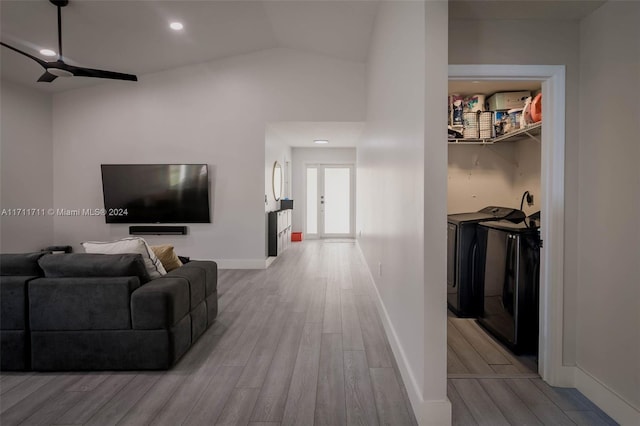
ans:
(156, 193)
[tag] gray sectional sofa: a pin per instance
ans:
(100, 311)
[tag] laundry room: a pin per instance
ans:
(493, 243)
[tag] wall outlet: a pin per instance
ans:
(379, 269)
(360, 233)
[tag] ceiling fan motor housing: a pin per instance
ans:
(59, 72)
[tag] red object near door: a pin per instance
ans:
(296, 236)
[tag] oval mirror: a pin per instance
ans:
(276, 180)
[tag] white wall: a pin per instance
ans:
(391, 194)
(436, 409)
(303, 156)
(480, 176)
(537, 42)
(26, 170)
(213, 113)
(528, 157)
(275, 150)
(608, 339)
(496, 175)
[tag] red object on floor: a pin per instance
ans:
(296, 236)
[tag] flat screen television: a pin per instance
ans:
(156, 193)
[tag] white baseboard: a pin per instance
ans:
(610, 402)
(413, 390)
(435, 413)
(242, 263)
(270, 260)
(563, 376)
(432, 413)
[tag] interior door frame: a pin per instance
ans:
(551, 325)
(352, 188)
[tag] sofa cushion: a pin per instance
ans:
(81, 303)
(14, 347)
(129, 245)
(94, 265)
(25, 264)
(110, 349)
(212, 308)
(198, 321)
(167, 257)
(13, 302)
(160, 304)
(196, 279)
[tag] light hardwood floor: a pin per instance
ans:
(521, 401)
(489, 385)
(472, 352)
(299, 343)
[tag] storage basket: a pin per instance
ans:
(471, 125)
(487, 130)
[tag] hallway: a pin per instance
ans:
(298, 343)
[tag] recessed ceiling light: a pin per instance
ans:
(321, 142)
(48, 52)
(176, 26)
(475, 82)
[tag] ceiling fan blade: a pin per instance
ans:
(47, 77)
(59, 68)
(38, 60)
(90, 72)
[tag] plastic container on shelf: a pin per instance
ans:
(457, 107)
(513, 122)
(474, 103)
(507, 100)
(536, 108)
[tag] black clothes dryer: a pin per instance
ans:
(462, 299)
(509, 275)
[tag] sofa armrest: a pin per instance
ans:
(160, 303)
(81, 303)
(210, 269)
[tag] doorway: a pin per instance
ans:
(552, 77)
(330, 201)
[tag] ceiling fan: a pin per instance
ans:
(59, 68)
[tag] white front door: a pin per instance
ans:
(330, 201)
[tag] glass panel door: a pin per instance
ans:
(337, 200)
(329, 201)
(312, 201)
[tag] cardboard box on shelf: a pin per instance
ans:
(507, 100)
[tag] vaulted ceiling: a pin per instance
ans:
(134, 36)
